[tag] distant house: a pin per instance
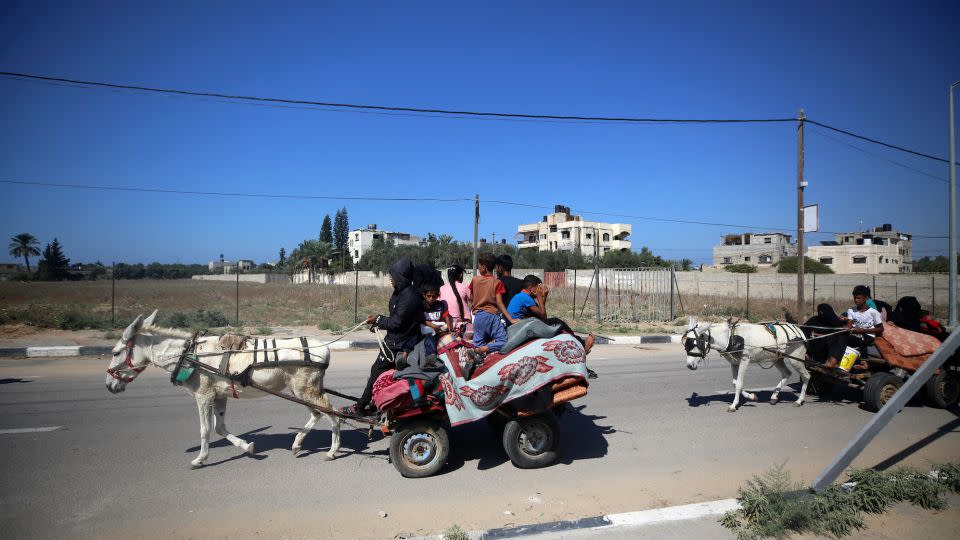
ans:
(361, 240)
(880, 251)
(757, 249)
(10, 269)
(230, 267)
(563, 231)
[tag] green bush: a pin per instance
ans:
(788, 265)
(176, 319)
(741, 268)
(328, 325)
(77, 320)
(211, 319)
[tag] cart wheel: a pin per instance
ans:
(531, 442)
(819, 384)
(880, 388)
(943, 389)
(419, 449)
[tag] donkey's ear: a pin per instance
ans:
(149, 320)
(134, 327)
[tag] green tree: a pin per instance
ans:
(741, 268)
(54, 265)
(326, 230)
(24, 245)
(282, 261)
(341, 235)
(788, 265)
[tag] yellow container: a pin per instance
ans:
(850, 357)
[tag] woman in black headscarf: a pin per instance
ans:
(827, 350)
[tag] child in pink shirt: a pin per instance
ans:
(459, 299)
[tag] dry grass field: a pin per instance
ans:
(86, 304)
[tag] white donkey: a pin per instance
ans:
(143, 344)
(741, 344)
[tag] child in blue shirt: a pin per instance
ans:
(528, 302)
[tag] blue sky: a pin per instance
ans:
(877, 68)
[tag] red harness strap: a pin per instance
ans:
(128, 361)
(233, 388)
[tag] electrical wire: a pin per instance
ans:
(875, 141)
(397, 199)
(235, 194)
(356, 106)
(878, 156)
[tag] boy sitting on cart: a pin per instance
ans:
(864, 322)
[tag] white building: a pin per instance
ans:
(361, 240)
(563, 231)
(229, 267)
(880, 251)
(757, 249)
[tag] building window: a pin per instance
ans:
(356, 254)
(589, 236)
(726, 260)
(606, 249)
(543, 237)
(746, 259)
(767, 240)
(565, 235)
(859, 259)
(826, 260)
(376, 237)
(553, 228)
(532, 238)
(766, 259)
(356, 237)
(606, 237)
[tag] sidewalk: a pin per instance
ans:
(17, 341)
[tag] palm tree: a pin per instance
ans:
(24, 245)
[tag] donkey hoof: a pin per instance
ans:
(731, 408)
(774, 401)
(195, 464)
(798, 404)
(327, 457)
(249, 448)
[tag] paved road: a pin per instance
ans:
(651, 433)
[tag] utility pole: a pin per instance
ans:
(476, 229)
(596, 266)
(801, 183)
(952, 298)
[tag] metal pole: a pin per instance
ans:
(673, 278)
(933, 296)
(574, 294)
(356, 296)
(952, 298)
(596, 266)
(886, 413)
(238, 295)
(813, 297)
(113, 295)
(748, 295)
(800, 185)
(476, 229)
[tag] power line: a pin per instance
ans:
(875, 141)
(402, 199)
(99, 84)
(235, 194)
(904, 165)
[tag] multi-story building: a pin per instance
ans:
(563, 231)
(361, 240)
(10, 269)
(758, 249)
(229, 267)
(880, 251)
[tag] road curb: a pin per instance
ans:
(607, 522)
(65, 351)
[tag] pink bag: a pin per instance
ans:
(389, 394)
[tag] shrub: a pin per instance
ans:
(328, 325)
(76, 320)
(211, 319)
(264, 330)
(177, 319)
(788, 265)
(741, 268)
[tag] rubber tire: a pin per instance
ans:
(434, 434)
(878, 389)
(943, 389)
(820, 384)
(524, 458)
